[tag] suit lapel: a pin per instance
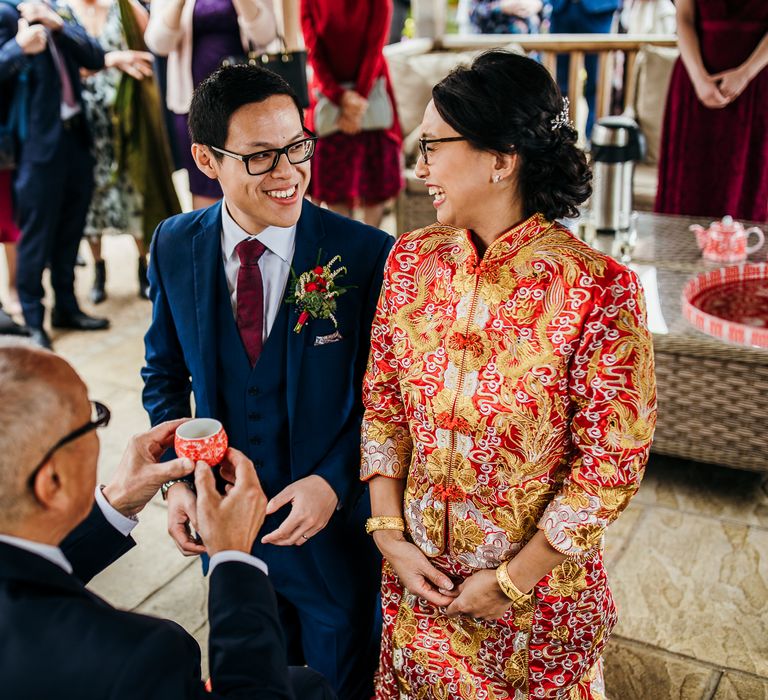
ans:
(309, 237)
(206, 255)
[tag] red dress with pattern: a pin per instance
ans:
(512, 392)
(345, 41)
(715, 161)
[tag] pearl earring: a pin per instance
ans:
(496, 178)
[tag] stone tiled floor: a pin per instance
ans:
(688, 560)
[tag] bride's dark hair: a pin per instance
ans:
(505, 102)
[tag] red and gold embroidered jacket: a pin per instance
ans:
(512, 392)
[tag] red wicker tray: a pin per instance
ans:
(730, 303)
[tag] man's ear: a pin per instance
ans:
(205, 160)
(47, 485)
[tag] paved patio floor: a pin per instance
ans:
(688, 560)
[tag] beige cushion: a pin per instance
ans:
(413, 78)
(654, 65)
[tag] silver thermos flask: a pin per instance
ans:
(616, 145)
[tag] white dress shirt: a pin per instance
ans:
(275, 263)
(124, 526)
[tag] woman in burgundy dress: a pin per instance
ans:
(714, 153)
(351, 166)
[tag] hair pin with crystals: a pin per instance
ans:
(564, 118)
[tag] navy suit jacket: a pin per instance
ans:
(44, 97)
(59, 640)
(590, 7)
(323, 382)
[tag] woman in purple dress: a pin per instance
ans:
(197, 35)
(714, 152)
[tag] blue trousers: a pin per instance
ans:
(52, 200)
(573, 19)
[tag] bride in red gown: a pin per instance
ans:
(714, 154)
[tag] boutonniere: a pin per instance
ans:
(65, 13)
(315, 291)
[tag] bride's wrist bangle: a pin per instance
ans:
(384, 523)
(508, 587)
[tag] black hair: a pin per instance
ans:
(223, 92)
(505, 102)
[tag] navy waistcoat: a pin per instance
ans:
(252, 402)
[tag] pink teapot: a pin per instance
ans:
(726, 240)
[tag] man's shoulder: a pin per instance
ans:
(181, 228)
(350, 234)
(338, 225)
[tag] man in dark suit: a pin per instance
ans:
(582, 17)
(57, 639)
(287, 392)
(54, 177)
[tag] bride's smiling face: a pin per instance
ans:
(458, 176)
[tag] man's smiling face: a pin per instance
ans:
(274, 198)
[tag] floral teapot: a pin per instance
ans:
(726, 240)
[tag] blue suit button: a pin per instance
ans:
(254, 416)
(254, 391)
(255, 440)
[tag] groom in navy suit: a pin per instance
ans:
(289, 398)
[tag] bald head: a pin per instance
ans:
(41, 400)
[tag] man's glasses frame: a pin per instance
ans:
(276, 153)
(423, 143)
(102, 420)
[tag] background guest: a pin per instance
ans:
(400, 10)
(197, 35)
(345, 39)
(506, 16)
(582, 17)
(54, 179)
(119, 197)
(714, 146)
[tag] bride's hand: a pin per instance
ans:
(413, 568)
(480, 597)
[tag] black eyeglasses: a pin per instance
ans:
(423, 143)
(263, 162)
(100, 419)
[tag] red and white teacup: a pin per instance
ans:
(201, 439)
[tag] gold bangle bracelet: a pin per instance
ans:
(508, 588)
(384, 523)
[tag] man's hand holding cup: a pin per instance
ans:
(231, 521)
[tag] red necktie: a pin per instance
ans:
(250, 297)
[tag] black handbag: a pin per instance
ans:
(291, 66)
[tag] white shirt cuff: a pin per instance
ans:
(234, 555)
(117, 520)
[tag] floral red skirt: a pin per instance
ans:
(351, 169)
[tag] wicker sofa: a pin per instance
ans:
(416, 66)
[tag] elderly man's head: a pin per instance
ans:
(42, 400)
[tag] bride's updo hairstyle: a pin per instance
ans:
(508, 103)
